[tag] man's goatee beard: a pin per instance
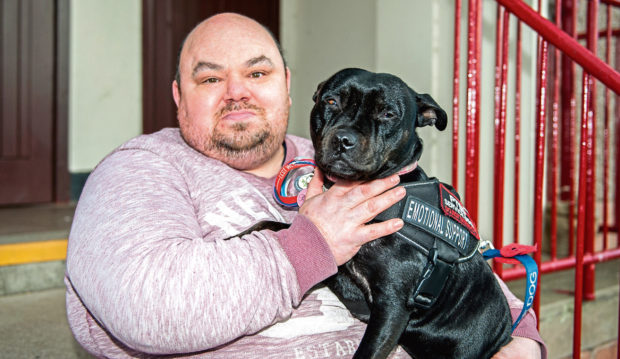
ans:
(241, 144)
(246, 152)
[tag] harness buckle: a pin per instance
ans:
(432, 282)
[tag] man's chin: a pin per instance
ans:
(246, 156)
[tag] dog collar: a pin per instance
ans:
(408, 168)
(291, 182)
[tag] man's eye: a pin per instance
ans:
(257, 74)
(211, 80)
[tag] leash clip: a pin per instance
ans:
(485, 245)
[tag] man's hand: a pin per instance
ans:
(519, 348)
(341, 213)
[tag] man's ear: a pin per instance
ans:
(430, 113)
(176, 92)
(318, 91)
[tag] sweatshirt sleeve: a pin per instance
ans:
(140, 262)
(308, 252)
(527, 326)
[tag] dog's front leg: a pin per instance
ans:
(387, 322)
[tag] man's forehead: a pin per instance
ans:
(244, 53)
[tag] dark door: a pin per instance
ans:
(165, 24)
(28, 106)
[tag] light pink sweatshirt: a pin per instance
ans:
(148, 271)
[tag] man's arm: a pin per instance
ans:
(141, 264)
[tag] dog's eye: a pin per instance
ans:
(387, 115)
(331, 101)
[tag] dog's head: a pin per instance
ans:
(363, 124)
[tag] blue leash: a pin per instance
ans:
(531, 270)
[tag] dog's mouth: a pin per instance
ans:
(333, 175)
(342, 171)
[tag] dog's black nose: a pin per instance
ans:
(345, 140)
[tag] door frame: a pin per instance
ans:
(61, 191)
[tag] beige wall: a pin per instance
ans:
(105, 98)
(319, 38)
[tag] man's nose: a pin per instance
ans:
(236, 89)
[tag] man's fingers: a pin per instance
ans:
(363, 192)
(381, 229)
(372, 207)
(315, 186)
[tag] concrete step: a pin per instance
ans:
(33, 246)
(34, 325)
(599, 316)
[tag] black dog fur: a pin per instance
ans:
(363, 126)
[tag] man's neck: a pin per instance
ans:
(271, 167)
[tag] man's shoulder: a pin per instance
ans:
(159, 141)
(164, 146)
(302, 145)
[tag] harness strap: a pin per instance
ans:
(516, 251)
(433, 278)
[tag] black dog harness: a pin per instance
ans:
(438, 225)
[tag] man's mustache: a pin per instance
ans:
(239, 106)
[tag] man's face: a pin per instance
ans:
(233, 102)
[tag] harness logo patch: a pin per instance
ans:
(455, 209)
(431, 220)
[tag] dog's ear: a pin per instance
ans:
(318, 91)
(429, 112)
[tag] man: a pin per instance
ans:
(149, 271)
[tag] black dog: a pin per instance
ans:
(436, 298)
(363, 126)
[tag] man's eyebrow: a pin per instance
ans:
(202, 65)
(258, 60)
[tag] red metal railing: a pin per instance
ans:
(557, 115)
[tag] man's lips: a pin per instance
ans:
(238, 115)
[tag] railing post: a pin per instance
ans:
(539, 161)
(552, 170)
(499, 140)
(581, 217)
(456, 94)
(568, 123)
(472, 142)
(617, 117)
(517, 144)
(589, 279)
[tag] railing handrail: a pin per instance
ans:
(565, 43)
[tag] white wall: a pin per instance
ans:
(320, 37)
(105, 98)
